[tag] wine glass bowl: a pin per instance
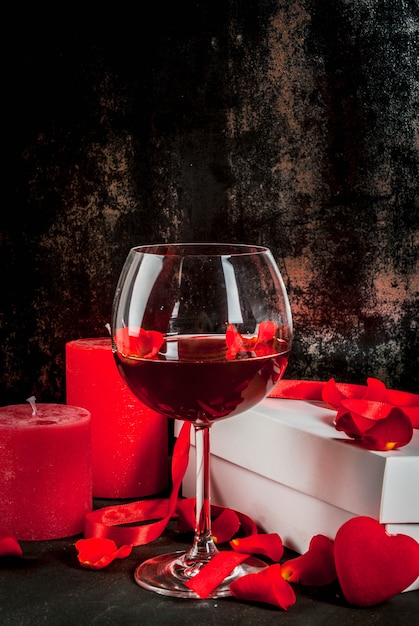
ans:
(201, 332)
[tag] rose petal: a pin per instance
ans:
(368, 415)
(265, 339)
(267, 586)
(214, 572)
(409, 402)
(266, 331)
(135, 341)
(126, 340)
(234, 342)
(392, 432)
(225, 526)
(333, 393)
(366, 411)
(344, 422)
(356, 417)
(376, 390)
(96, 553)
(412, 413)
(149, 343)
(315, 567)
(269, 544)
(9, 545)
(185, 509)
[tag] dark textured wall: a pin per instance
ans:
(289, 124)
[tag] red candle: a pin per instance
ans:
(45, 470)
(129, 440)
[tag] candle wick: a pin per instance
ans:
(31, 401)
(108, 327)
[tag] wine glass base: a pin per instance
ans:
(165, 574)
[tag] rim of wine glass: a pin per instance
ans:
(200, 248)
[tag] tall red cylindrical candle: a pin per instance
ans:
(129, 440)
(45, 470)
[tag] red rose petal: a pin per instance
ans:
(368, 414)
(372, 565)
(234, 342)
(126, 340)
(267, 331)
(267, 586)
(185, 509)
(214, 572)
(333, 393)
(138, 342)
(96, 553)
(149, 343)
(409, 402)
(269, 544)
(344, 422)
(393, 431)
(266, 334)
(225, 526)
(412, 413)
(314, 568)
(9, 545)
(376, 390)
(366, 411)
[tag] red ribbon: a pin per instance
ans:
(313, 390)
(104, 522)
(298, 390)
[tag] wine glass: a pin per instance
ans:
(201, 332)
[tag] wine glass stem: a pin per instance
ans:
(203, 547)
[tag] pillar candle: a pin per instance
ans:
(129, 440)
(45, 470)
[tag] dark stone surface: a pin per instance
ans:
(48, 586)
(290, 124)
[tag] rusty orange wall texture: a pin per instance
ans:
(291, 124)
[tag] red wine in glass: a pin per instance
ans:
(201, 332)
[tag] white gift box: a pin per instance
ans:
(284, 464)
